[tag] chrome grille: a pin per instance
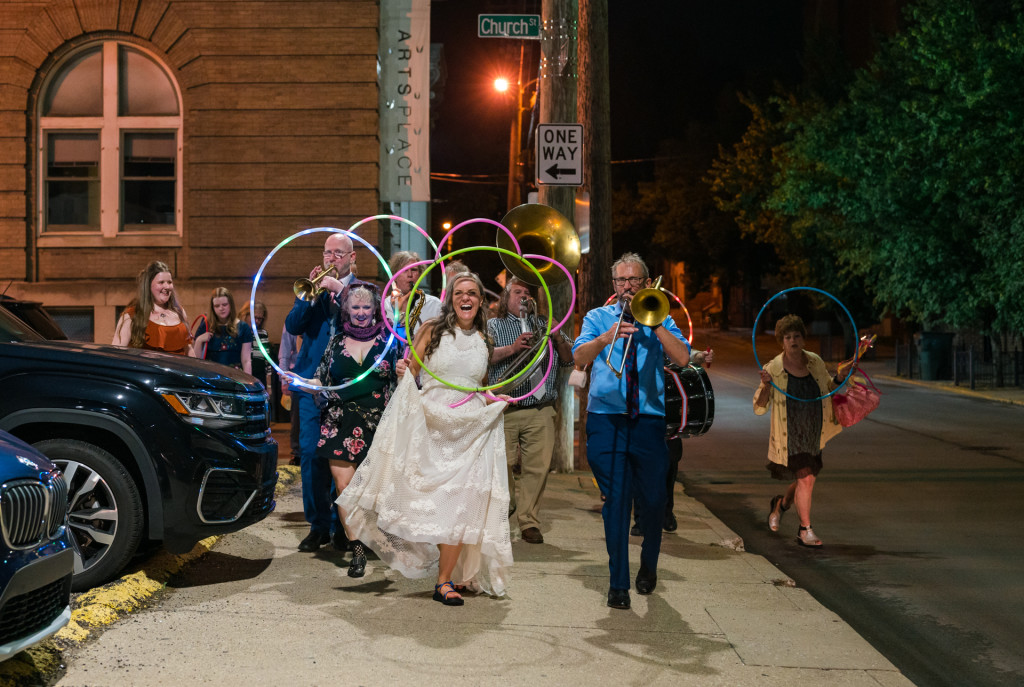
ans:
(256, 426)
(31, 511)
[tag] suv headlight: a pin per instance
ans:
(206, 408)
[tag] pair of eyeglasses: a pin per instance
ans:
(337, 253)
(633, 281)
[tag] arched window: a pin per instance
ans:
(110, 144)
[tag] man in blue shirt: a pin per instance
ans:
(314, 322)
(626, 423)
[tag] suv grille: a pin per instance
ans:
(28, 613)
(256, 426)
(32, 512)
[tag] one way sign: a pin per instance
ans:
(559, 155)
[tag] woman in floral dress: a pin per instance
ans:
(350, 416)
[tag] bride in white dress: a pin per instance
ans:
(432, 492)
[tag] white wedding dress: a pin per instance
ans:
(437, 475)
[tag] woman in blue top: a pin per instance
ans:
(228, 340)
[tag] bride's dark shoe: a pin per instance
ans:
(446, 594)
(357, 568)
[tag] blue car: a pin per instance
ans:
(37, 557)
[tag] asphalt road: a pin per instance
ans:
(920, 508)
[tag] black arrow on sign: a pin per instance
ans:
(554, 170)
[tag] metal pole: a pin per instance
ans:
(557, 91)
(970, 366)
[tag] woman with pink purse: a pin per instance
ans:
(802, 422)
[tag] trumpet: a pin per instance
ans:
(649, 307)
(307, 289)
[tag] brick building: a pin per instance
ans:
(197, 132)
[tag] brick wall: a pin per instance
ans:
(279, 102)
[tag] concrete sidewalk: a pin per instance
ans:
(258, 612)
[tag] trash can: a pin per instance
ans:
(935, 351)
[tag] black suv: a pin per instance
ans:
(152, 446)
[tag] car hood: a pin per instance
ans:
(164, 367)
(21, 461)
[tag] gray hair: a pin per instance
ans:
(630, 257)
(401, 259)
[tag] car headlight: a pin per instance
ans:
(206, 408)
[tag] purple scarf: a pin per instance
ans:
(361, 333)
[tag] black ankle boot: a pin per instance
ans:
(357, 568)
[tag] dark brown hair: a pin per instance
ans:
(787, 324)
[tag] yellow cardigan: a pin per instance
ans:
(778, 442)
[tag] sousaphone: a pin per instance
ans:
(540, 230)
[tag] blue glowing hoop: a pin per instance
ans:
(252, 305)
(753, 338)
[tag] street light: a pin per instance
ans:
(446, 226)
(515, 146)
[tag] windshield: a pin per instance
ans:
(13, 329)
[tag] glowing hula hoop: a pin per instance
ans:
(460, 225)
(540, 351)
(252, 306)
(753, 337)
(383, 305)
(551, 348)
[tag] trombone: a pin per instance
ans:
(648, 307)
(307, 289)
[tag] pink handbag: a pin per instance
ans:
(859, 400)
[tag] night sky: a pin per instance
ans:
(675, 68)
(671, 64)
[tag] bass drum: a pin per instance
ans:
(689, 401)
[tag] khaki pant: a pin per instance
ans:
(529, 435)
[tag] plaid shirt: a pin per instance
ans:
(504, 331)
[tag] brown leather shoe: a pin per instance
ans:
(532, 535)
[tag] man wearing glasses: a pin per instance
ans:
(315, 322)
(626, 423)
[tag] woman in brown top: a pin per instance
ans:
(155, 320)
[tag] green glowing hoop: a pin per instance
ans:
(540, 349)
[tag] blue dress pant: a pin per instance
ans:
(317, 483)
(629, 457)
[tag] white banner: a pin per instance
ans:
(405, 100)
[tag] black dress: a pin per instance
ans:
(803, 425)
(350, 417)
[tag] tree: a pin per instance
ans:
(913, 181)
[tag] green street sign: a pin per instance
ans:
(508, 26)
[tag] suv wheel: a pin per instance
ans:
(104, 509)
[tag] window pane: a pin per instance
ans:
(149, 155)
(148, 205)
(78, 88)
(77, 323)
(72, 182)
(145, 88)
(148, 181)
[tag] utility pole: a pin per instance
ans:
(557, 87)
(594, 279)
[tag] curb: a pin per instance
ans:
(950, 388)
(99, 607)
